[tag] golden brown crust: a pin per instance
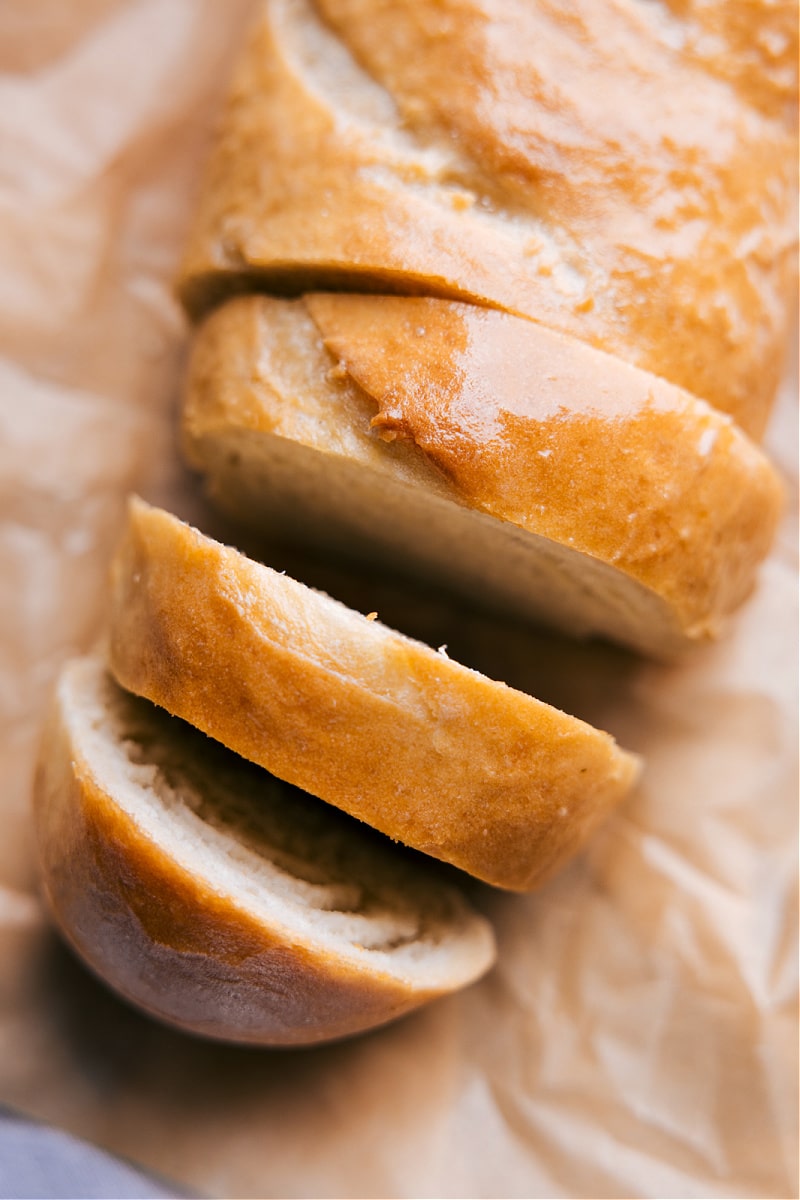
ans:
(502, 154)
(509, 419)
(431, 754)
(567, 442)
(172, 944)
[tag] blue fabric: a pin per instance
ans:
(39, 1163)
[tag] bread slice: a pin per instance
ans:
(223, 901)
(593, 167)
(493, 454)
(428, 752)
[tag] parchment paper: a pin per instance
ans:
(639, 1035)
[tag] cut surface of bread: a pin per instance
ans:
(427, 751)
(593, 166)
(484, 451)
(222, 900)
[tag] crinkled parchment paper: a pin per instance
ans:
(638, 1037)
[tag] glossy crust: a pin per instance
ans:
(174, 943)
(509, 419)
(426, 751)
(620, 173)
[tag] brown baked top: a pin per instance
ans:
(623, 173)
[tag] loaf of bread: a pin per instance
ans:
(496, 455)
(622, 173)
(428, 752)
(223, 901)
(566, 235)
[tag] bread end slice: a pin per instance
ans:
(223, 901)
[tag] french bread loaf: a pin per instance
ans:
(223, 901)
(584, 214)
(511, 461)
(622, 173)
(428, 752)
